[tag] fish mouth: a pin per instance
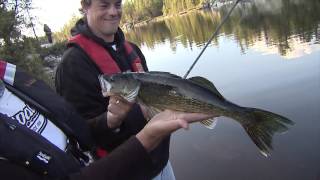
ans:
(105, 86)
(106, 89)
(108, 93)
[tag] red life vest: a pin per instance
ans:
(102, 58)
(107, 65)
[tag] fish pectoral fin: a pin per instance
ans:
(205, 83)
(148, 111)
(209, 123)
(152, 111)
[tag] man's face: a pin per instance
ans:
(103, 18)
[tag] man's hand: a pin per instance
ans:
(118, 109)
(165, 123)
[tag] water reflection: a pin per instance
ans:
(274, 23)
(297, 48)
(248, 63)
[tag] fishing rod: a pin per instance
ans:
(213, 35)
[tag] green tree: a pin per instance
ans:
(176, 6)
(129, 15)
(139, 10)
(14, 47)
(11, 20)
(64, 33)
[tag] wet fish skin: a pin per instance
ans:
(161, 90)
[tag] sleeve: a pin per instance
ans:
(77, 81)
(128, 161)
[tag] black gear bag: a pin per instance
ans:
(21, 145)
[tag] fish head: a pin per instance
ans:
(121, 84)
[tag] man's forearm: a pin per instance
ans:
(128, 161)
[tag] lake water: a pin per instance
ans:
(267, 55)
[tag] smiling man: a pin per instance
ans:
(98, 46)
(103, 17)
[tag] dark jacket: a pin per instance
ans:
(77, 82)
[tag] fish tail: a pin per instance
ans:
(262, 127)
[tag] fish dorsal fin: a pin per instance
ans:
(205, 83)
(163, 74)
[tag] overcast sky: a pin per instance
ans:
(55, 13)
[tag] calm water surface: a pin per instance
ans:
(267, 56)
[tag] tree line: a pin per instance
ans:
(140, 10)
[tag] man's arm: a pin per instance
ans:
(128, 161)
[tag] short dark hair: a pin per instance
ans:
(84, 3)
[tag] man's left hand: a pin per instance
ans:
(118, 109)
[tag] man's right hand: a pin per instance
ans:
(118, 109)
(165, 123)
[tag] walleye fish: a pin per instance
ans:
(161, 90)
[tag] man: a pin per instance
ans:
(48, 32)
(98, 46)
(32, 150)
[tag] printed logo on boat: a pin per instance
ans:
(31, 119)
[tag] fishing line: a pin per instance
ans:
(213, 35)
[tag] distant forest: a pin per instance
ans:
(139, 10)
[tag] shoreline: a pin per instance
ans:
(129, 25)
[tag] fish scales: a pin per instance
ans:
(186, 91)
(161, 97)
